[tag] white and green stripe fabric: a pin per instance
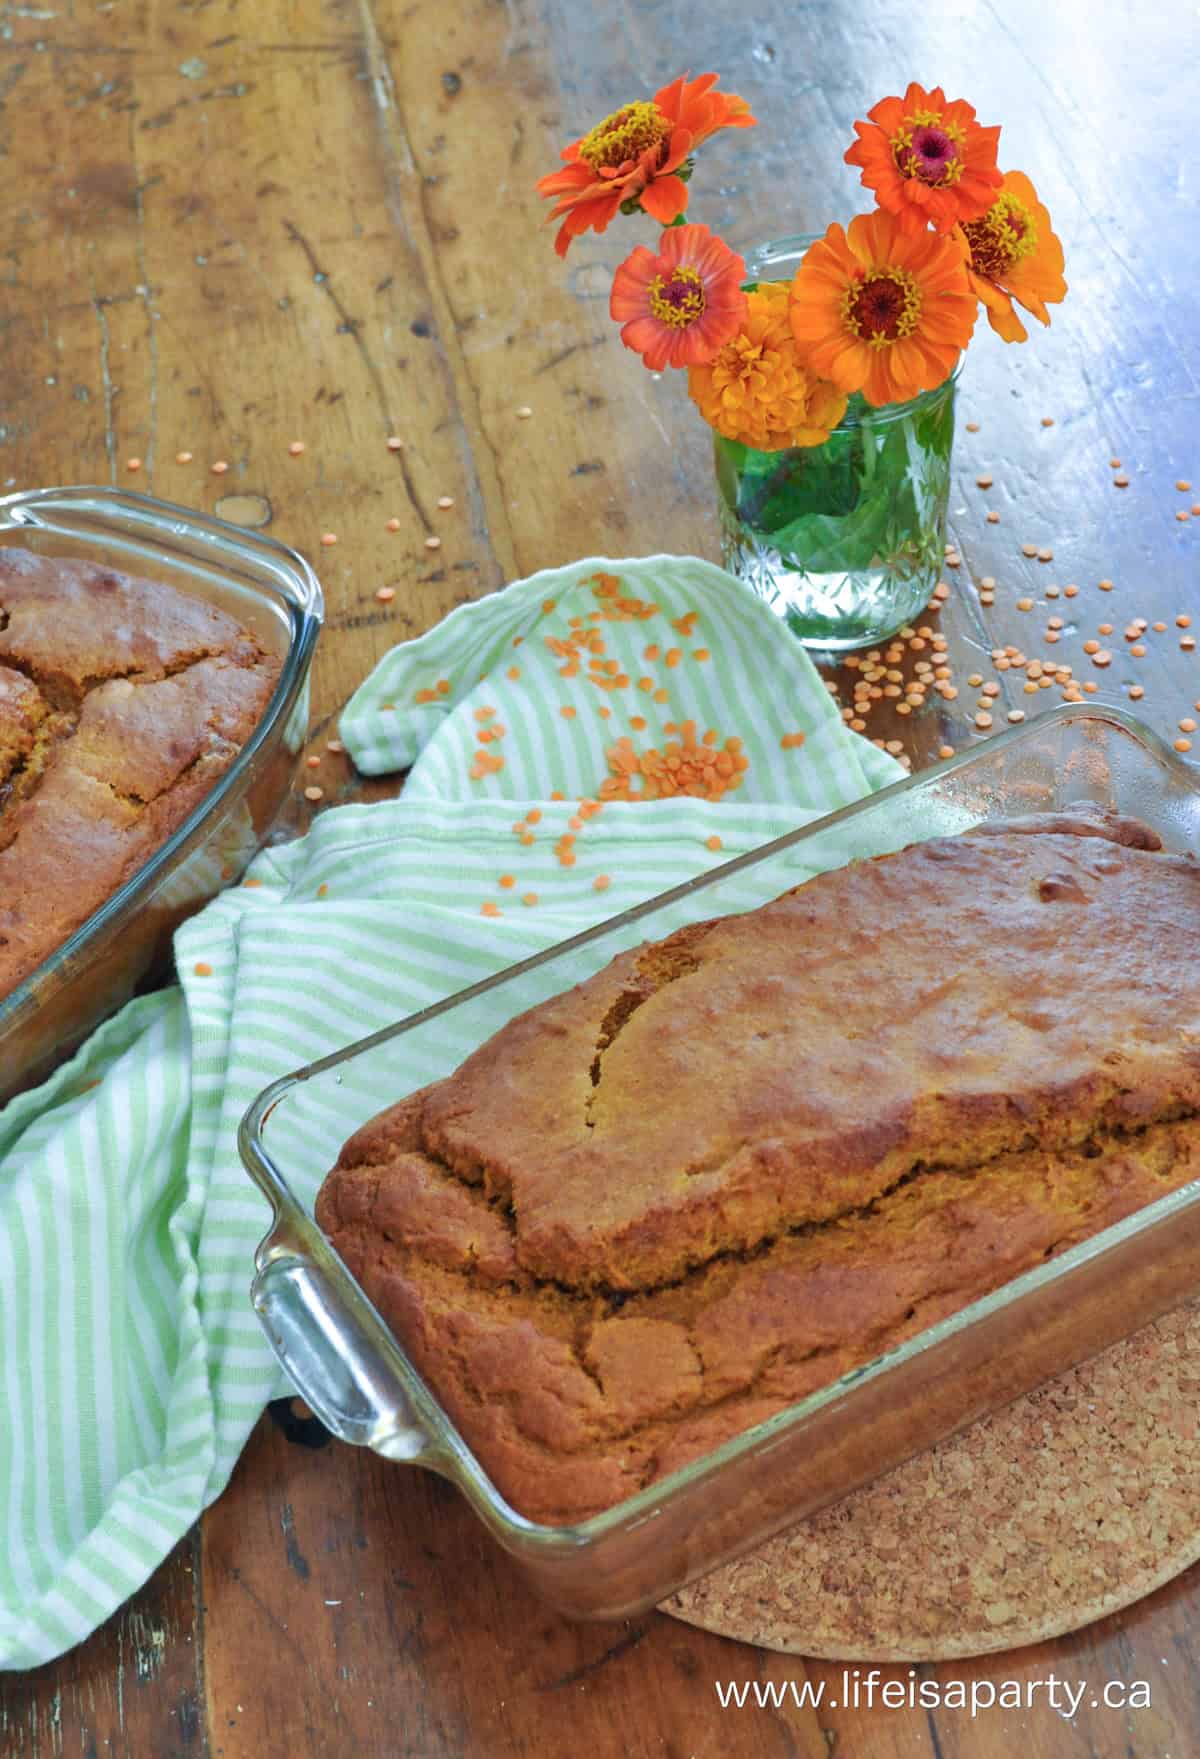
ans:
(132, 1366)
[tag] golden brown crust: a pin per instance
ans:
(121, 704)
(736, 1163)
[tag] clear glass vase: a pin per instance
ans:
(845, 541)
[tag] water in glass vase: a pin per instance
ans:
(845, 541)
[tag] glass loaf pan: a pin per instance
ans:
(270, 590)
(356, 1377)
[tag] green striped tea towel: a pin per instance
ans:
(132, 1366)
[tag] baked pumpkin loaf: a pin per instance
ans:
(122, 702)
(731, 1166)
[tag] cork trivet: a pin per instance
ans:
(1064, 1507)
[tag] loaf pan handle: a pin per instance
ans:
(332, 1355)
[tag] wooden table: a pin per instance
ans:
(232, 226)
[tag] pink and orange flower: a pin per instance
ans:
(928, 161)
(639, 156)
(679, 307)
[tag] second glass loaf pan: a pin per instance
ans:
(355, 1375)
(269, 590)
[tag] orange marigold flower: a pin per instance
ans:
(929, 162)
(678, 308)
(758, 389)
(638, 156)
(880, 310)
(1015, 255)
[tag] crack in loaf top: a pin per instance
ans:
(1012, 987)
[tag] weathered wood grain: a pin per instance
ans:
(231, 227)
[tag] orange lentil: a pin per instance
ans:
(1091, 687)
(1091, 647)
(1105, 585)
(443, 686)
(1024, 604)
(322, 891)
(524, 412)
(329, 538)
(983, 721)
(1183, 621)
(513, 672)
(661, 696)
(701, 654)
(673, 656)
(791, 741)
(1045, 555)
(1102, 658)
(184, 457)
(1136, 691)
(1120, 482)
(975, 680)
(133, 464)
(983, 482)
(296, 447)
(202, 968)
(251, 884)
(433, 543)
(1188, 643)
(1070, 592)
(1047, 421)
(972, 427)
(334, 745)
(714, 843)
(1138, 651)
(1183, 485)
(601, 883)
(1105, 628)
(651, 652)
(1196, 509)
(487, 908)
(1187, 725)
(1016, 714)
(991, 690)
(557, 794)
(1114, 463)
(314, 763)
(1054, 622)
(219, 468)
(393, 525)
(395, 443)
(445, 502)
(575, 823)
(529, 898)
(506, 880)
(1183, 745)
(993, 518)
(484, 714)
(314, 793)
(1158, 628)
(1183, 516)
(1029, 549)
(385, 594)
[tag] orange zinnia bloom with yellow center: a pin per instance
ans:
(1015, 255)
(758, 389)
(638, 156)
(679, 307)
(928, 161)
(880, 310)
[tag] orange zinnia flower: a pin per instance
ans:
(880, 310)
(679, 307)
(1015, 255)
(638, 155)
(758, 389)
(929, 162)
